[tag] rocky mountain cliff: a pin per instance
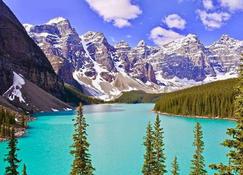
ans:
(97, 68)
(22, 62)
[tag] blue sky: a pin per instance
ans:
(155, 21)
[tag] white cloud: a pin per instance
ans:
(121, 23)
(213, 20)
(119, 12)
(175, 21)
(232, 4)
(162, 36)
(208, 4)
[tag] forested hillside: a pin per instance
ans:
(211, 100)
(137, 97)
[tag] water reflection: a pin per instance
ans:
(103, 108)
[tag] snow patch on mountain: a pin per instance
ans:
(15, 90)
(28, 27)
(176, 83)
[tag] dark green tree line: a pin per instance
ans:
(213, 100)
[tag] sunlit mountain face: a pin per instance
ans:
(104, 70)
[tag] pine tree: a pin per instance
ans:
(80, 149)
(235, 144)
(11, 157)
(24, 172)
(175, 167)
(198, 165)
(149, 156)
(159, 167)
(23, 121)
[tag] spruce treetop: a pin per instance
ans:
(82, 164)
(198, 165)
(160, 167)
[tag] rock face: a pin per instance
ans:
(20, 54)
(98, 49)
(89, 62)
(103, 70)
(61, 44)
(228, 49)
(185, 58)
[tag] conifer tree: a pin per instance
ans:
(11, 157)
(149, 156)
(23, 121)
(175, 167)
(198, 165)
(235, 143)
(82, 164)
(159, 166)
(24, 172)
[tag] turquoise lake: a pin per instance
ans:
(116, 134)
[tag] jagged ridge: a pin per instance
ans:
(96, 67)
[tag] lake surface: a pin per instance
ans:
(116, 134)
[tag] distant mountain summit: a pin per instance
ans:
(96, 67)
(57, 20)
(225, 53)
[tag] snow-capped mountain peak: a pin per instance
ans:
(190, 38)
(57, 20)
(122, 45)
(227, 40)
(93, 37)
(91, 63)
(225, 37)
(141, 43)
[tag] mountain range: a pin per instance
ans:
(97, 68)
(44, 65)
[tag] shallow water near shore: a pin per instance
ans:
(116, 134)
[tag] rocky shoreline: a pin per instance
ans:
(20, 131)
